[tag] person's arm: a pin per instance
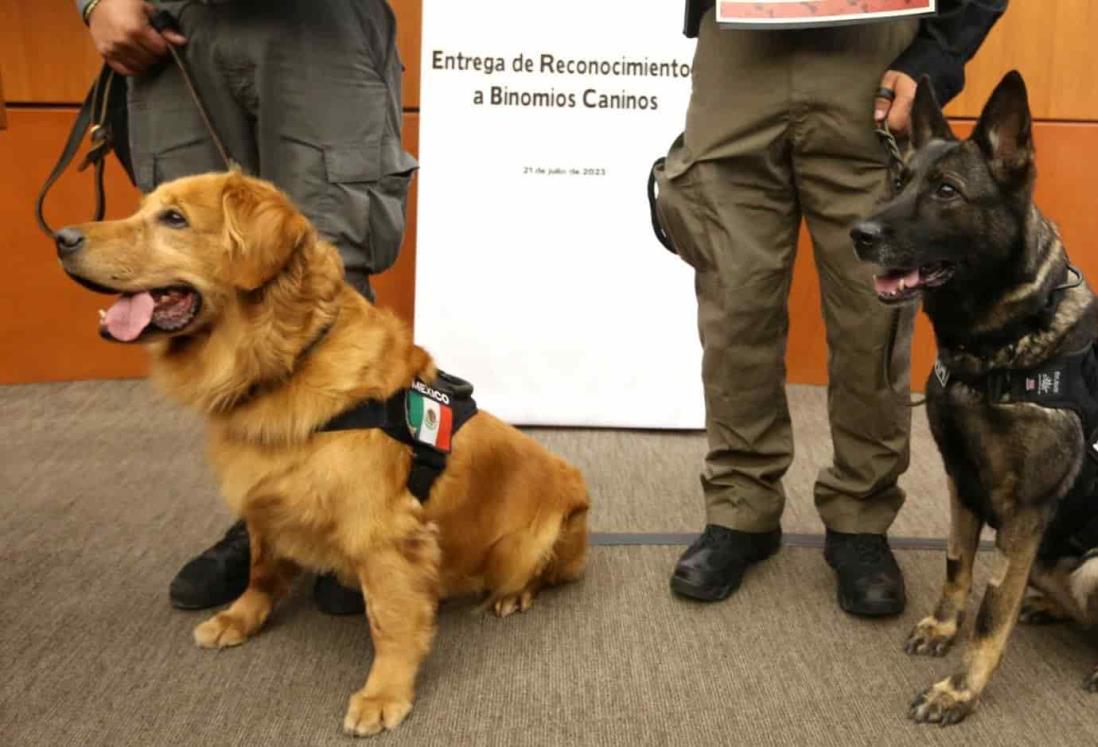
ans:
(942, 46)
(123, 35)
(695, 9)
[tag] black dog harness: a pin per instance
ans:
(423, 416)
(1066, 382)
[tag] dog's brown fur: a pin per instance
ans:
(505, 518)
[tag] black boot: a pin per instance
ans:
(870, 581)
(333, 598)
(217, 576)
(712, 568)
(220, 574)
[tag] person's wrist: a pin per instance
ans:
(88, 10)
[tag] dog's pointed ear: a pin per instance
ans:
(262, 229)
(927, 121)
(1005, 130)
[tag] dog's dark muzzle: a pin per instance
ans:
(868, 236)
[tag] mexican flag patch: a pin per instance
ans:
(430, 421)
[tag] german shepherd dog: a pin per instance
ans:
(964, 234)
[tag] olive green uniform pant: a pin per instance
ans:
(780, 129)
(303, 93)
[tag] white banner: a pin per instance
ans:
(537, 275)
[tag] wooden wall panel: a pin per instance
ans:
(409, 26)
(396, 288)
(1065, 188)
(46, 54)
(1052, 43)
(47, 322)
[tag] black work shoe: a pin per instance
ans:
(870, 581)
(333, 598)
(712, 568)
(217, 576)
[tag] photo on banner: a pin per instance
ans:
(808, 13)
(538, 277)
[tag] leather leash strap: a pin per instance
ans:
(95, 115)
(896, 183)
(95, 108)
(162, 21)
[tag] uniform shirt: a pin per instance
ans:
(81, 5)
(942, 46)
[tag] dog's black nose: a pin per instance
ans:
(866, 235)
(69, 241)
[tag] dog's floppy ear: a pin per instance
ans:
(1005, 130)
(927, 121)
(263, 229)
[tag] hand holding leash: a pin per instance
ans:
(895, 98)
(124, 36)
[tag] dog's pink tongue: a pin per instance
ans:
(887, 284)
(129, 315)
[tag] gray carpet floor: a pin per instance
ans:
(103, 493)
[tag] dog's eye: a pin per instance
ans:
(946, 191)
(172, 219)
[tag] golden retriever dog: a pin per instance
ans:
(247, 318)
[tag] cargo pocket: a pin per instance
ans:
(368, 198)
(174, 161)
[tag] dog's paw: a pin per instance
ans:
(220, 631)
(1090, 684)
(512, 603)
(942, 704)
(931, 637)
(1041, 610)
(367, 716)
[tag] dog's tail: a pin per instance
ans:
(569, 554)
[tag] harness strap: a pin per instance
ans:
(370, 414)
(392, 417)
(1066, 382)
(427, 465)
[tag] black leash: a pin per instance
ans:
(163, 21)
(96, 115)
(896, 182)
(1072, 270)
(895, 157)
